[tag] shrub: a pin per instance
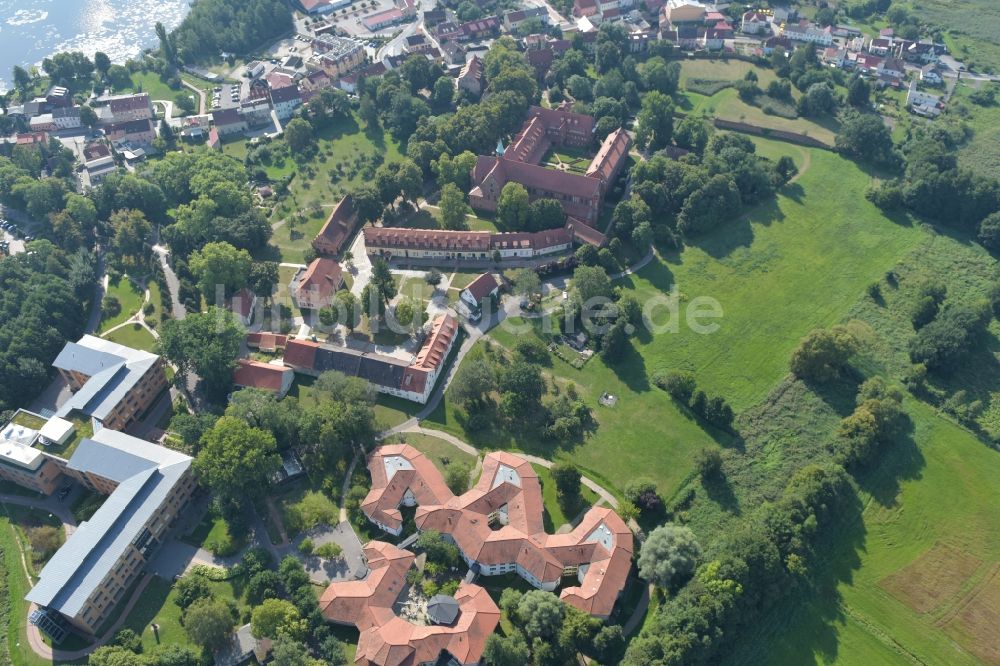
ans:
(328, 551)
(680, 384)
(707, 87)
(148, 309)
(111, 306)
(708, 462)
(306, 547)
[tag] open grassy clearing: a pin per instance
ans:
(128, 295)
(982, 152)
(723, 70)
(133, 335)
(970, 27)
(727, 105)
(554, 516)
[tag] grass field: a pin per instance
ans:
(787, 267)
(970, 28)
(982, 152)
(554, 517)
(133, 335)
(129, 296)
(439, 451)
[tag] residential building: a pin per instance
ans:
(511, 20)
(313, 287)
(337, 229)
(112, 384)
(412, 380)
(931, 74)
(833, 56)
(881, 46)
(254, 69)
(320, 7)
(135, 131)
(349, 83)
(266, 342)
(483, 288)
(582, 196)
(456, 632)
(22, 455)
(229, 122)
(922, 103)
(755, 22)
(125, 108)
(498, 526)
(893, 67)
(810, 33)
(471, 76)
(272, 377)
(285, 100)
(452, 52)
(390, 242)
(683, 11)
(336, 55)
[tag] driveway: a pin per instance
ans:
(349, 566)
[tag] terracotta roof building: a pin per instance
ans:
(313, 287)
(471, 76)
(498, 526)
(412, 380)
(265, 376)
(266, 342)
(581, 196)
(337, 229)
(387, 639)
(391, 242)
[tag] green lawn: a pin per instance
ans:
(554, 517)
(28, 420)
(982, 152)
(723, 70)
(84, 428)
(157, 606)
(133, 335)
(438, 450)
(128, 295)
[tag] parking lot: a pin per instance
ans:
(225, 96)
(13, 239)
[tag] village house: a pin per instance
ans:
(390, 242)
(513, 19)
(135, 131)
(931, 74)
(242, 304)
(313, 287)
(922, 103)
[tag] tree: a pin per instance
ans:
(642, 492)
(823, 354)
(540, 613)
(88, 117)
(102, 63)
(709, 206)
(544, 214)
(22, 80)
(472, 382)
(453, 208)
(168, 48)
(669, 555)
(513, 207)
(115, 655)
(989, 232)
(521, 387)
(692, 133)
(590, 283)
(273, 617)
(220, 269)
(455, 170)
(289, 651)
(859, 93)
(659, 76)
(942, 342)
(865, 136)
(567, 479)
(655, 122)
(506, 651)
(526, 283)
(708, 462)
(367, 203)
(131, 232)
(409, 178)
(206, 343)
(817, 100)
(263, 278)
(456, 475)
(263, 585)
(299, 135)
(190, 589)
(444, 93)
(236, 460)
(209, 623)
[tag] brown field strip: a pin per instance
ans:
(932, 579)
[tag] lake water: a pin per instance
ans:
(31, 30)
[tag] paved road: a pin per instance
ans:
(173, 284)
(100, 288)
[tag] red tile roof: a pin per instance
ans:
(254, 374)
(611, 156)
(482, 286)
(427, 239)
(267, 341)
(300, 353)
(135, 102)
(320, 281)
(387, 639)
(601, 541)
(337, 228)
